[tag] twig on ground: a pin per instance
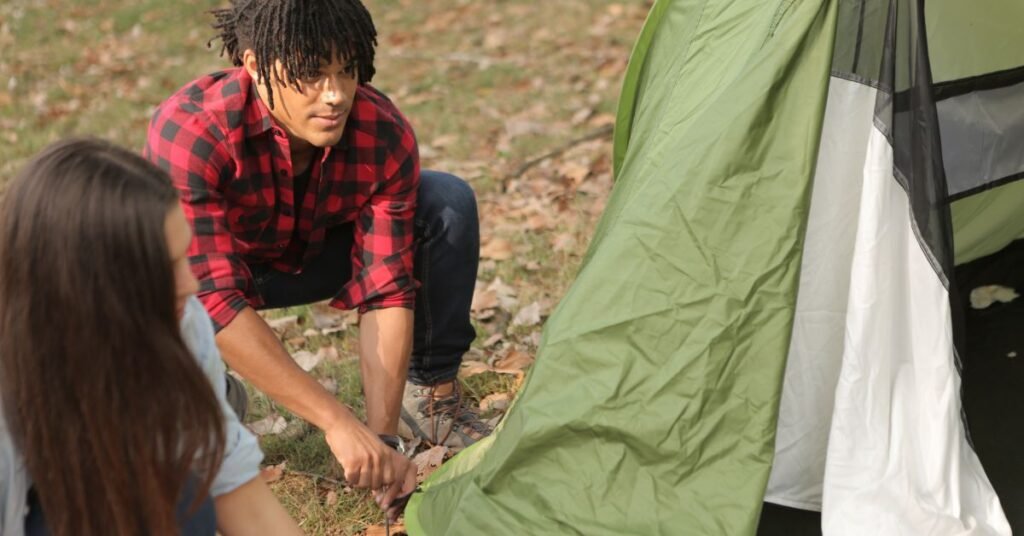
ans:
(317, 477)
(592, 135)
(482, 62)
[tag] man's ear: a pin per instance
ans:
(249, 64)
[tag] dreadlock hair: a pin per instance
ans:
(299, 33)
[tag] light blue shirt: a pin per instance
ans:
(242, 455)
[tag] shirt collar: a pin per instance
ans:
(257, 117)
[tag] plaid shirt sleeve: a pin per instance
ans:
(382, 259)
(184, 144)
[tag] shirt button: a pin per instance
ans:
(286, 211)
(282, 172)
(280, 246)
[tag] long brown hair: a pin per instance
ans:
(111, 412)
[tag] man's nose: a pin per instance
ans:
(332, 93)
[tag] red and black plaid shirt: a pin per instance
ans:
(230, 161)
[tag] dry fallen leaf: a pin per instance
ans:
(419, 98)
(330, 384)
(506, 294)
(283, 324)
(612, 68)
(397, 529)
(327, 317)
(983, 297)
(444, 140)
(270, 425)
(496, 401)
(472, 368)
(498, 249)
(307, 360)
(483, 300)
(494, 39)
(528, 316)
(273, 473)
(581, 115)
(574, 171)
(484, 315)
(563, 242)
(328, 353)
(332, 498)
(519, 127)
(539, 221)
(513, 363)
(602, 120)
(428, 461)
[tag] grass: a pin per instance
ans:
(487, 84)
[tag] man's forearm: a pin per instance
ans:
(385, 344)
(253, 350)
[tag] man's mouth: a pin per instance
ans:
(329, 120)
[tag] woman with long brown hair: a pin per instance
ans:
(113, 415)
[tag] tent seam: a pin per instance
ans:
(856, 78)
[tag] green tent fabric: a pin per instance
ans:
(681, 313)
(987, 222)
(768, 310)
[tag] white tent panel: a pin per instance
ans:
(816, 347)
(898, 459)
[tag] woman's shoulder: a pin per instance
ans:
(197, 331)
(8, 455)
(14, 482)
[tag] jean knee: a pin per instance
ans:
(443, 192)
(448, 203)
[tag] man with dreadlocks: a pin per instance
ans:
(302, 182)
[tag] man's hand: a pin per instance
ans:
(395, 506)
(369, 463)
(252, 349)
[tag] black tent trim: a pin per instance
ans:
(987, 186)
(983, 82)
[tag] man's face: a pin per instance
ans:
(316, 112)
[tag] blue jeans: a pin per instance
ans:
(447, 233)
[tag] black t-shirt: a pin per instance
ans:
(301, 183)
(301, 186)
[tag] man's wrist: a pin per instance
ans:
(393, 441)
(339, 417)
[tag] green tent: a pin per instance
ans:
(766, 311)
